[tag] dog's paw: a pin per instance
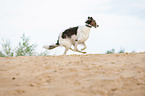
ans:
(84, 52)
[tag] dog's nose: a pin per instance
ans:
(97, 25)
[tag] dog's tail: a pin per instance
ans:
(51, 46)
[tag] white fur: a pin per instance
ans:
(82, 35)
(46, 46)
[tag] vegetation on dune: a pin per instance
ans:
(6, 49)
(113, 51)
(24, 48)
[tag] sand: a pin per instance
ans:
(73, 75)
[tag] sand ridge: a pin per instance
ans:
(73, 75)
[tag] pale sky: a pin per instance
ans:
(122, 22)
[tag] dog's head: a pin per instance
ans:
(91, 22)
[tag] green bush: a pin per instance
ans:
(6, 49)
(110, 51)
(113, 51)
(122, 51)
(1, 54)
(24, 48)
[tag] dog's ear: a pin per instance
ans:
(90, 18)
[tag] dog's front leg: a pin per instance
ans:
(84, 46)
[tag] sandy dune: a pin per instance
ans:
(74, 75)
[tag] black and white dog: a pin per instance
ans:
(74, 36)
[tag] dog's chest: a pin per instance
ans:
(83, 33)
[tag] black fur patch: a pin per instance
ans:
(57, 41)
(69, 32)
(88, 21)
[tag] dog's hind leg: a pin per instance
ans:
(66, 49)
(75, 45)
(67, 44)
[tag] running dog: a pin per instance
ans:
(74, 36)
